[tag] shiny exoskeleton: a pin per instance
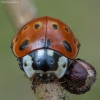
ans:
(44, 48)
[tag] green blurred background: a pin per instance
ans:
(82, 16)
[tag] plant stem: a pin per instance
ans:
(20, 12)
(50, 91)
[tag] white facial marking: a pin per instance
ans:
(41, 74)
(40, 53)
(62, 66)
(50, 52)
(27, 65)
(48, 75)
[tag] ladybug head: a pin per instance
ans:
(44, 64)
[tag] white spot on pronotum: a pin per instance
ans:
(27, 65)
(48, 75)
(50, 52)
(40, 53)
(41, 75)
(62, 66)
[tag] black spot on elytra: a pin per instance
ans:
(48, 42)
(25, 27)
(66, 29)
(42, 42)
(23, 45)
(67, 46)
(54, 26)
(16, 39)
(36, 26)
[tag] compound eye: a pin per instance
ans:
(27, 66)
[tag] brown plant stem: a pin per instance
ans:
(20, 12)
(50, 91)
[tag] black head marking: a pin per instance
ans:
(25, 64)
(64, 65)
(36, 26)
(54, 26)
(67, 46)
(23, 45)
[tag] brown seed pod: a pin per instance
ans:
(79, 77)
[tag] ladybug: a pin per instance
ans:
(44, 48)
